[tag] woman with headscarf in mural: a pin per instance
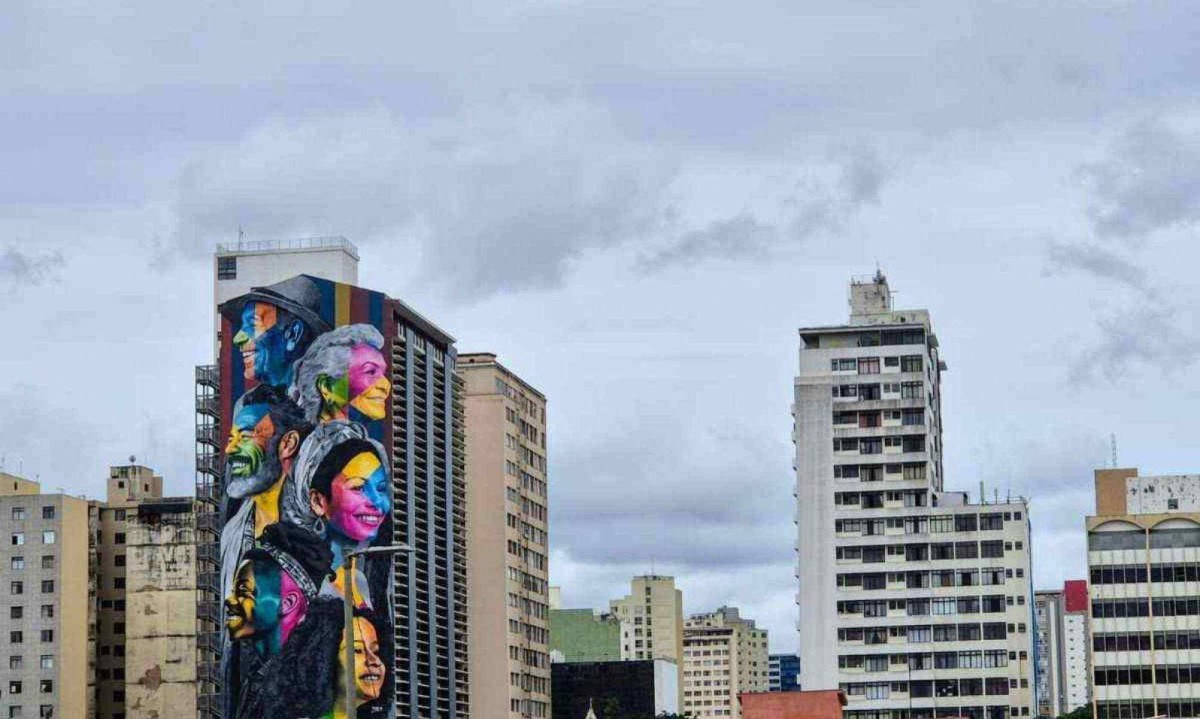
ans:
(343, 370)
(342, 492)
(275, 618)
(370, 673)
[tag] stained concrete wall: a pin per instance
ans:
(160, 632)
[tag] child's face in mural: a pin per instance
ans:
(252, 608)
(358, 500)
(248, 451)
(368, 667)
(364, 386)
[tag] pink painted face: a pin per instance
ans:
(293, 605)
(369, 385)
(359, 499)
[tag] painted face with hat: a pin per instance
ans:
(275, 325)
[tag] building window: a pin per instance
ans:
(47, 561)
(118, 582)
(119, 538)
(47, 586)
(17, 563)
(15, 661)
(47, 661)
(119, 560)
(17, 588)
(48, 536)
(15, 637)
(47, 512)
(16, 612)
(46, 711)
(18, 513)
(227, 268)
(46, 686)
(118, 627)
(14, 687)
(119, 515)
(47, 635)
(47, 611)
(1171, 504)
(18, 539)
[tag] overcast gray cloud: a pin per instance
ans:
(635, 205)
(19, 268)
(1149, 181)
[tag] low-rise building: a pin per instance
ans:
(614, 690)
(826, 704)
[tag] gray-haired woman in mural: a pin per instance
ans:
(343, 370)
(342, 492)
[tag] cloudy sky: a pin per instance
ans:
(635, 205)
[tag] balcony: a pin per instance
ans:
(208, 375)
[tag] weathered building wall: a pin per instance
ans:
(160, 633)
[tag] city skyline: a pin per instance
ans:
(638, 226)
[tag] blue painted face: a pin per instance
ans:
(264, 344)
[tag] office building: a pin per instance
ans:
(783, 673)
(507, 541)
(914, 602)
(615, 690)
(405, 421)
(584, 635)
(724, 655)
(1144, 567)
(238, 267)
(1064, 676)
(47, 602)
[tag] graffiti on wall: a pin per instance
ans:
(307, 481)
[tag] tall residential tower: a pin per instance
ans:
(507, 541)
(914, 602)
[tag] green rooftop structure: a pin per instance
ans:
(582, 635)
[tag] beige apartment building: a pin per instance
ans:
(651, 618)
(47, 602)
(724, 655)
(507, 542)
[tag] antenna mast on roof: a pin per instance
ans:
(1112, 441)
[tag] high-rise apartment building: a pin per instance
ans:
(341, 411)
(724, 655)
(1144, 566)
(46, 601)
(1064, 674)
(651, 618)
(914, 602)
(507, 541)
(238, 267)
(783, 673)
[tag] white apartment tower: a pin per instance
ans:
(1063, 657)
(914, 602)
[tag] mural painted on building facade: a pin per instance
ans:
(307, 479)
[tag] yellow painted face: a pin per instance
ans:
(239, 605)
(368, 667)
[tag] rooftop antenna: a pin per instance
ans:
(1112, 441)
(241, 234)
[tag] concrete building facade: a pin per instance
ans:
(507, 540)
(1144, 571)
(651, 619)
(914, 602)
(1063, 653)
(724, 656)
(47, 602)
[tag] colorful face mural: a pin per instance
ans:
(369, 671)
(356, 501)
(307, 480)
